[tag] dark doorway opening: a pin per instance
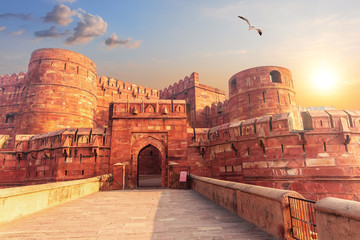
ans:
(149, 167)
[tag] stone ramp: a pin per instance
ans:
(162, 214)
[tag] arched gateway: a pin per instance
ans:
(150, 162)
(149, 167)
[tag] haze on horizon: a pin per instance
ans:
(157, 43)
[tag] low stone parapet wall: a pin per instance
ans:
(337, 219)
(21, 201)
(267, 208)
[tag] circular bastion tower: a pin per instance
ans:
(60, 92)
(261, 91)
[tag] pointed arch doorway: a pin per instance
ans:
(149, 167)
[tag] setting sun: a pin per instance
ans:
(324, 80)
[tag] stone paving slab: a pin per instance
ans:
(135, 215)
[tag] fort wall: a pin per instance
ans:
(198, 98)
(318, 162)
(110, 90)
(11, 97)
(60, 92)
(65, 154)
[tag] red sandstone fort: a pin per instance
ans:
(61, 121)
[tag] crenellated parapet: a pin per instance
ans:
(218, 113)
(11, 87)
(180, 87)
(110, 90)
(119, 89)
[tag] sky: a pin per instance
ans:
(156, 43)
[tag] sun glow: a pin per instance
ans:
(325, 80)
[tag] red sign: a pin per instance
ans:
(183, 175)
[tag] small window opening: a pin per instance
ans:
(65, 172)
(263, 93)
(77, 70)
(233, 85)
(262, 146)
(248, 151)
(270, 124)
(275, 76)
(249, 98)
(282, 149)
(303, 147)
(278, 96)
(82, 172)
(95, 159)
(346, 148)
(324, 147)
(10, 118)
(65, 66)
(321, 123)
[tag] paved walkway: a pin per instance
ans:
(134, 215)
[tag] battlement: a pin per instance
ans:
(13, 79)
(331, 120)
(324, 121)
(107, 83)
(181, 86)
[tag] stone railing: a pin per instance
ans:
(21, 201)
(337, 219)
(267, 208)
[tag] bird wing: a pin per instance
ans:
(259, 31)
(245, 19)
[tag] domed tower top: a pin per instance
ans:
(261, 91)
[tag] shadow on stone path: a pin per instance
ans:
(134, 214)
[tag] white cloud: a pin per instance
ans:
(61, 15)
(2, 28)
(113, 41)
(87, 29)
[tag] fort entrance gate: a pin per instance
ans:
(149, 167)
(145, 136)
(149, 159)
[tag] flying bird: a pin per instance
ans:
(251, 27)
